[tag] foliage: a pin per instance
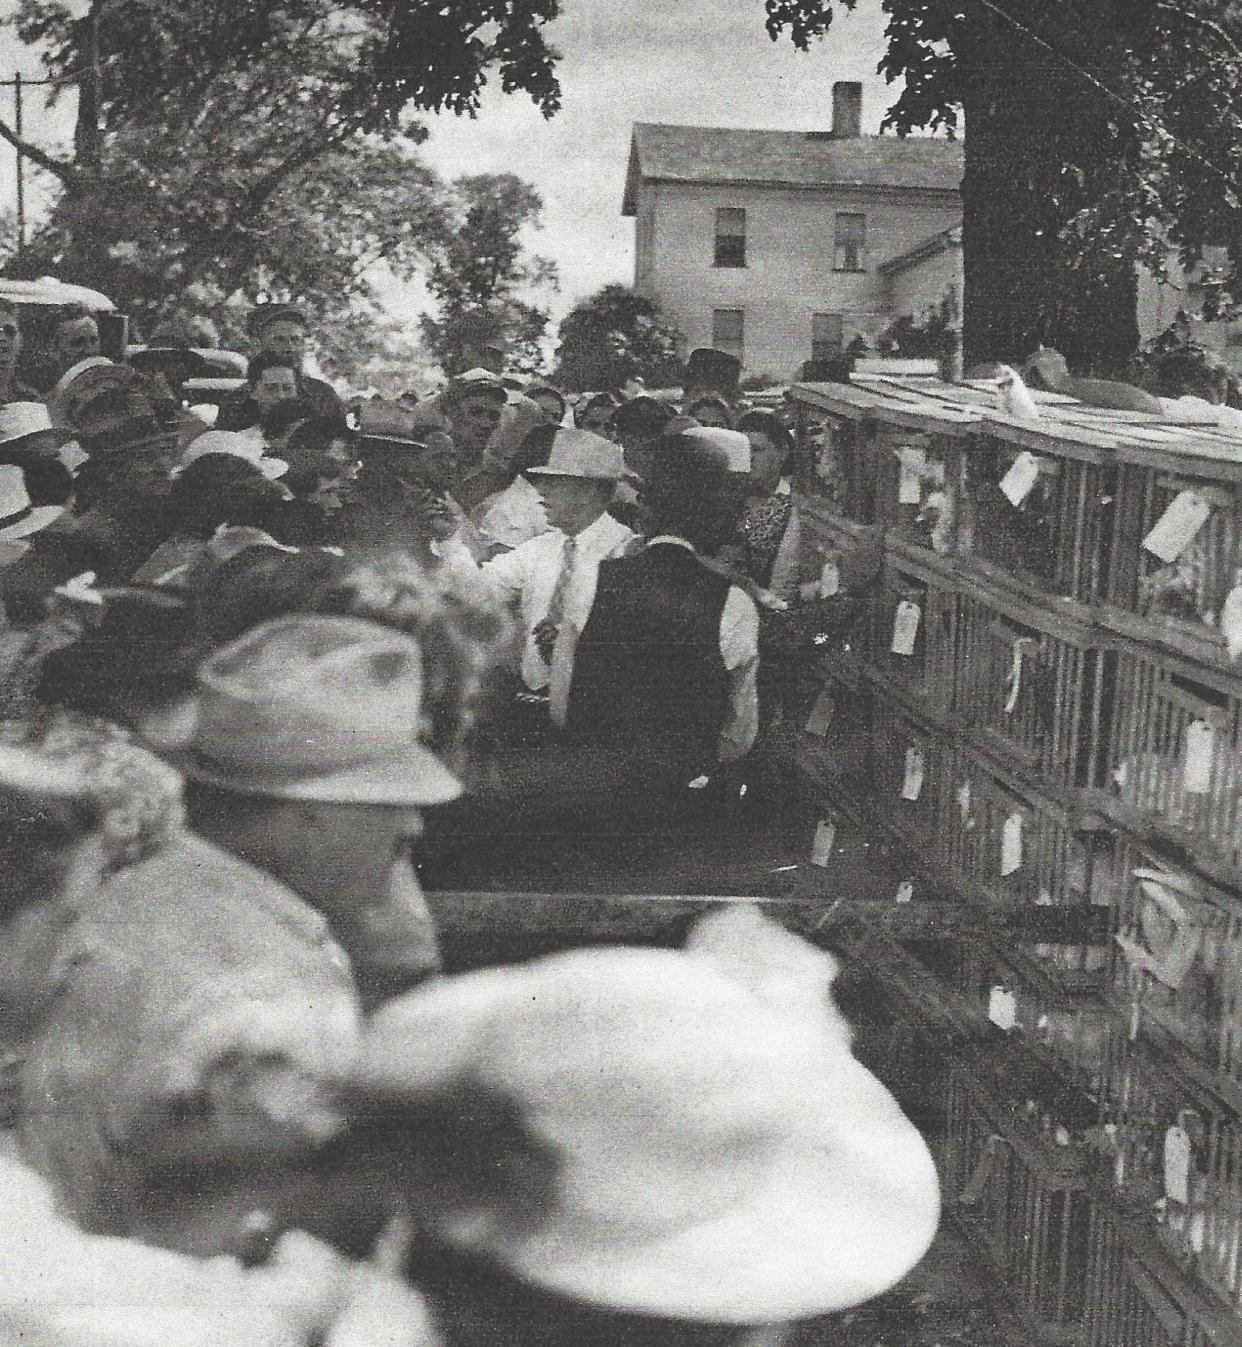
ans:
(1102, 133)
(615, 336)
(320, 179)
(908, 338)
(481, 270)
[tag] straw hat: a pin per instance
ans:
(235, 444)
(730, 447)
(19, 517)
(710, 1156)
(582, 453)
(310, 708)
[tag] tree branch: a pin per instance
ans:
(60, 169)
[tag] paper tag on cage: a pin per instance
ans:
(963, 800)
(1013, 685)
(1002, 1008)
(905, 892)
(819, 722)
(830, 578)
(1177, 1165)
(912, 785)
(911, 466)
(1197, 764)
(825, 840)
(1011, 845)
(1018, 481)
(1175, 528)
(906, 627)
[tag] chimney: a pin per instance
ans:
(847, 98)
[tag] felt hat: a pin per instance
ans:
(582, 453)
(713, 1156)
(310, 708)
(730, 448)
(235, 444)
(390, 424)
(474, 383)
(19, 517)
(643, 415)
(263, 315)
(716, 370)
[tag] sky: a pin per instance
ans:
(704, 62)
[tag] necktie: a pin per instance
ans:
(547, 630)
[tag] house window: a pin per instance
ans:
(727, 331)
(827, 335)
(849, 242)
(730, 237)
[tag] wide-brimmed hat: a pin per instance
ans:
(310, 708)
(19, 419)
(709, 1155)
(475, 383)
(263, 315)
(730, 448)
(582, 453)
(19, 516)
(717, 370)
(235, 444)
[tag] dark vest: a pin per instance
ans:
(648, 674)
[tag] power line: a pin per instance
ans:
(1227, 178)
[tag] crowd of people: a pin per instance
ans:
(260, 667)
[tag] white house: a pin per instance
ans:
(781, 245)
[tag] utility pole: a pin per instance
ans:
(21, 161)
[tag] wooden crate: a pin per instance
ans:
(834, 431)
(907, 765)
(1033, 682)
(1175, 763)
(1062, 853)
(925, 589)
(827, 536)
(1177, 960)
(1137, 1295)
(1178, 603)
(1059, 539)
(1023, 1198)
(1145, 1093)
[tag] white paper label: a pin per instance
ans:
(1197, 766)
(905, 891)
(1177, 1165)
(1018, 481)
(912, 785)
(1011, 845)
(1175, 528)
(906, 627)
(830, 579)
(825, 840)
(822, 713)
(912, 463)
(1013, 685)
(1002, 1008)
(963, 800)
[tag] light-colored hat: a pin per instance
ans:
(19, 517)
(473, 383)
(731, 446)
(311, 708)
(582, 453)
(712, 1159)
(19, 419)
(237, 445)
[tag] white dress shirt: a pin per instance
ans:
(529, 573)
(739, 650)
(513, 516)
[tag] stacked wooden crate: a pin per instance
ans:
(1053, 712)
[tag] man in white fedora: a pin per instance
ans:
(551, 577)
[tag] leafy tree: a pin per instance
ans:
(481, 270)
(222, 151)
(613, 337)
(1101, 133)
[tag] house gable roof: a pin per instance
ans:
(718, 154)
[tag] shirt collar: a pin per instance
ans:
(674, 540)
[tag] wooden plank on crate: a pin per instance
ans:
(845, 400)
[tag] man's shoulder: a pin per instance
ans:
(322, 392)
